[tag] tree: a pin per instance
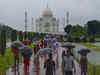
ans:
(3, 41)
(93, 27)
(29, 35)
(7, 29)
(25, 36)
(92, 39)
(68, 28)
(21, 36)
(14, 35)
(76, 30)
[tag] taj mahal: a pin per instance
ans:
(47, 22)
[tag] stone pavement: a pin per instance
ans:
(42, 70)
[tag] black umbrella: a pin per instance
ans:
(84, 51)
(17, 44)
(26, 52)
(68, 45)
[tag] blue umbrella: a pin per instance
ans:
(57, 44)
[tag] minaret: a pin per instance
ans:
(63, 22)
(25, 21)
(58, 21)
(32, 24)
(67, 18)
(47, 5)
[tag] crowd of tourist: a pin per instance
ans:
(68, 65)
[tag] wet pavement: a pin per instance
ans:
(32, 70)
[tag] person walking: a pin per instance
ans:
(68, 64)
(62, 68)
(26, 64)
(27, 59)
(16, 58)
(49, 65)
(83, 64)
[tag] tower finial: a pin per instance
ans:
(47, 5)
(67, 17)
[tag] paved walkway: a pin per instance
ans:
(42, 70)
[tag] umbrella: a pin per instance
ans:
(47, 36)
(17, 44)
(68, 45)
(57, 44)
(84, 51)
(54, 38)
(44, 51)
(35, 39)
(26, 52)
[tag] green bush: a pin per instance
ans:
(84, 39)
(77, 39)
(14, 35)
(91, 39)
(3, 42)
(21, 36)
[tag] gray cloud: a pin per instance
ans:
(12, 11)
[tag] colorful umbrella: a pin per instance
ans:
(57, 44)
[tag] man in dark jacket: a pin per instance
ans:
(49, 65)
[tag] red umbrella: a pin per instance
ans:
(26, 42)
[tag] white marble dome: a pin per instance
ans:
(47, 22)
(47, 12)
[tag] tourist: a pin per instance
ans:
(26, 63)
(45, 44)
(16, 57)
(83, 64)
(41, 44)
(71, 51)
(49, 65)
(63, 54)
(26, 60)
(68, 64)
(35, 49)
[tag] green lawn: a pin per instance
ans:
(97, 39)
(92, 46)
(8, 40)
(92, 71)
(7, 59)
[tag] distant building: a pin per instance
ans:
(47, 22)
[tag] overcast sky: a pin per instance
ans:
(12, 11)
